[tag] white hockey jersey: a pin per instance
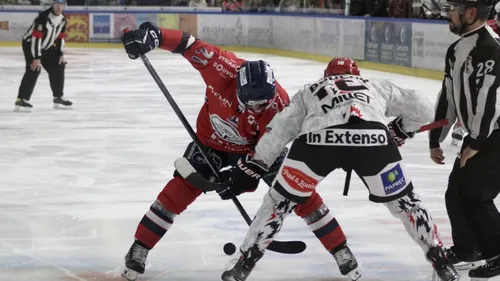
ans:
(333, 100)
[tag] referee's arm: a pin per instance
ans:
(444, 109)
(37, 34)
(487, 107)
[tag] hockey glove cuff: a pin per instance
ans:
(244, 177)
(397, 132)
(141, 41)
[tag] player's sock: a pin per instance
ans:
(326, 228)
(172, 200)
(154, 224)
(321, 221)
(421, 228)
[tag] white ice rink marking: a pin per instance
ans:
(81, 180)
(64, 270)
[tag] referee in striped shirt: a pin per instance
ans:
(470, 93)
(43, 45)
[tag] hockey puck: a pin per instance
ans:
(229, 249)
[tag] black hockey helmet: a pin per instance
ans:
(256, 85)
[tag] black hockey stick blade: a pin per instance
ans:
(187, 171)
(287, 247)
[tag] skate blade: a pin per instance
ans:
(22, 109)
(354, 274)
(61, 106)
(130, 274)
(469, 265)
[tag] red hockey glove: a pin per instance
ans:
(244, 177)
(397, 132)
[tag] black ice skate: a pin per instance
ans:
(348, 265)
(61, 103)
(473, 261)
(244, 266)
(22, 106)
(442, 267)
(135, 261)
(490, 269)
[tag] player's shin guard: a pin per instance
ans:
(421, 228)
(264, 228)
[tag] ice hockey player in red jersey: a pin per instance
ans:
(240, 100)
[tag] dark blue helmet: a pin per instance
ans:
(256, 85)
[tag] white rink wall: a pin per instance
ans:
(410, 43)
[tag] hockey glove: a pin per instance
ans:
(244, 177)
(140, 41)
(397, 132)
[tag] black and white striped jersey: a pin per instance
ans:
(47, 29)
(470, 89)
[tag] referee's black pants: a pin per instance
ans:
(50, 62)
(475, 220)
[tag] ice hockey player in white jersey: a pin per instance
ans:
(334, 123)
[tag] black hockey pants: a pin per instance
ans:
(50, 62)
(474, 218)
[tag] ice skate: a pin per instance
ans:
(243, 267)
(61, 103)
(474, 261)
(442, 267)
(22, 105)
(348, 265)
(490, 269)
(135, 261)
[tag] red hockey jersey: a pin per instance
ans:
(223, 123)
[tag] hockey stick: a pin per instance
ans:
(286, 247)
(430, 126)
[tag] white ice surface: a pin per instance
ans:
(74, 184)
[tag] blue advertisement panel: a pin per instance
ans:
(388, 42)
(101, 27)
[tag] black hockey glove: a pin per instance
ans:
(397, 132)
(244, 177)
(140, 41)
